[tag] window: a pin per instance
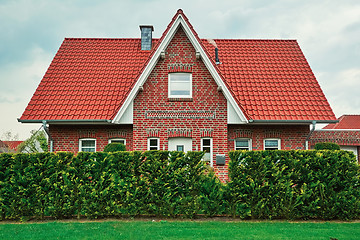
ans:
(272, 144)
(118, 140)
(153, 144)
(243, 144)
(180, 85)
(180, 148)
(206, 146)
(87, 145)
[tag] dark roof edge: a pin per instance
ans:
(292, 121)
(81, 121)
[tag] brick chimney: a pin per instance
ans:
(146, 36)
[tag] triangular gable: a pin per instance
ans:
(178, 20)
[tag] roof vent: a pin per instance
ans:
(146, 36)
(217, 61)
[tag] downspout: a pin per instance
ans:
(308, 137)
(50, 138)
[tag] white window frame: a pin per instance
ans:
(117, 139)
(169, 85)
(86, 139)
(249, 140)
(158, 143)
(211, 148)
(277, 139)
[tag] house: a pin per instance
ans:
(179, 92)
(345, 133)
(9, 146)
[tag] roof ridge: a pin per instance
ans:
(100, 38)
(250, 39)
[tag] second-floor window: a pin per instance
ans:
(180, 85)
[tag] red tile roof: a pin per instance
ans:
(89, 79)
(346, 122)
(12, 144)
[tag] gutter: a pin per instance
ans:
(292, 121)
(50, 138)
(310, 133)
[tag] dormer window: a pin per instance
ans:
(180, 85)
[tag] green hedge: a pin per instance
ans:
(294, 184)
(264, 184)
(101, 184)
(327, 146)
(114, 147)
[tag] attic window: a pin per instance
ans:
(180, 85)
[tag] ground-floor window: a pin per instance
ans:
(272, 144)
(118, 140)
(87, 145)
(206, 146)
(243, 144)
(153, 144)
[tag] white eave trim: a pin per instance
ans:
(152, 63)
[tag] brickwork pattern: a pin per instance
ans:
(66, 137)
(194, 118)
(291, 136)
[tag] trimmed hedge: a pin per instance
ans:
(264, 184)
(327, 146)
(101, 184)
(114, 147)
(294, 184)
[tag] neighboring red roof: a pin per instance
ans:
(346, 122)
(89, 79)
(12, 144)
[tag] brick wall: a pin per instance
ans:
(205, 115)
(342, 138)
(66, 137)
(291, 136)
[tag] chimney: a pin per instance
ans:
(146, 36)
(217, 61)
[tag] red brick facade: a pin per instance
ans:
(67, 137)
(204, 115)
(291, 136)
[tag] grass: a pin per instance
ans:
(180, 230)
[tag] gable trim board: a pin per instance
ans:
(179, 22)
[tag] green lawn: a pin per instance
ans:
(180, 230)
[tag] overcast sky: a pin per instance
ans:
(328, 33)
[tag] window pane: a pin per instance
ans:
(153, 142)
(153, 148)
(180, 148)
(206, 142)
(88, 149)
(118, 141)
(271, 143)
(206, 149)
(88, 143)
(180, 88)
(183, 77)
(242, 143)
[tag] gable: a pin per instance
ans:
(180, 20)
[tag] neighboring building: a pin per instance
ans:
(346, 133)
(9, 146)
(179, 92)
